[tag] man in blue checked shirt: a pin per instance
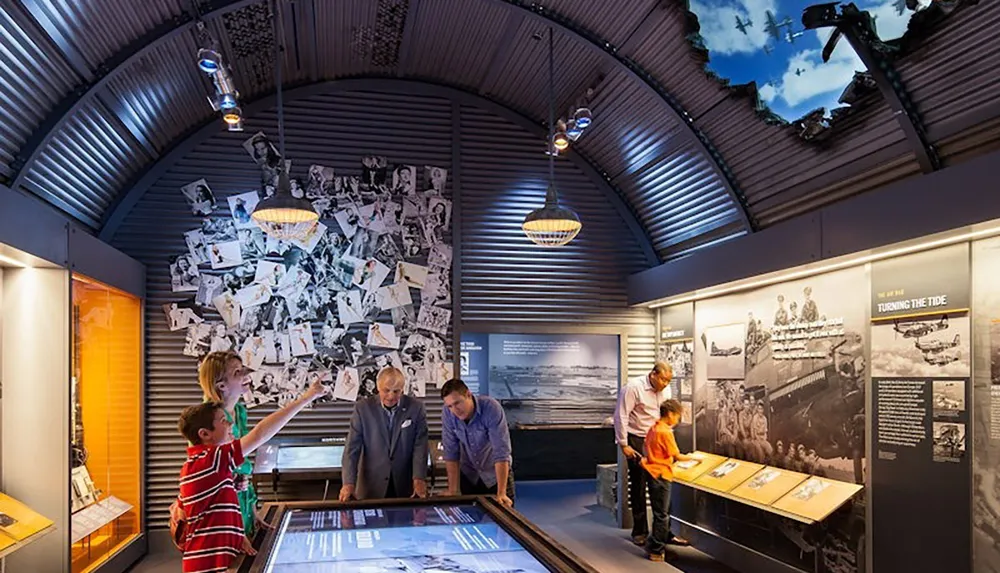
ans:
(476, 444)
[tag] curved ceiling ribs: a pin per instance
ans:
(98, 78)
(676, 110)
(95, 80)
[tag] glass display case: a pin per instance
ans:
(106, 434)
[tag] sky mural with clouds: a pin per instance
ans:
(791, 77)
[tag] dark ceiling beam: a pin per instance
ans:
(858, 28)
(69, 50)
(502, 52)
(122, 59)
(186, 143)
(643, 29)
(406, 43)
(674, 109)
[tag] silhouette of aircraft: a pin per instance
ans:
(798, 71)
(918, 329)
(935, 346)
(731, 351)
(773, 26)
(941, 359)
(768, 49)
(742, 25)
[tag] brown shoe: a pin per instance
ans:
(657, 557)
(679, 541)
(639, 540)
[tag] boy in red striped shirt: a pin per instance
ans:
(214, 533)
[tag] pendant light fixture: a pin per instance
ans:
(281, 215)
(552, 225)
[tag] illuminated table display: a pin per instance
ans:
(460, 534)
(794, 495)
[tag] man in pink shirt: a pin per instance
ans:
(638, 409)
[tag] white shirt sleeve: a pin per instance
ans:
(626, 401)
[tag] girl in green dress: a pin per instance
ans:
(223, 378)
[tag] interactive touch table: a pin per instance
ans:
(455, 534)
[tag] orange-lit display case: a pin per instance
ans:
(106, 426)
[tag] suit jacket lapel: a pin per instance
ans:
(397, 422)
(379, 413)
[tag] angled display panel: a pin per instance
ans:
(688, 471)
(817, 498)
(728, 475)
(768, 485)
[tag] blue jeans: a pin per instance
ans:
(659, 503)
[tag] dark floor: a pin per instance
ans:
(566, 510)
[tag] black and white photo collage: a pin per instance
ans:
(369, 287)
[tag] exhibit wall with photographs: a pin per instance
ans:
(862, 375)
(402, 200)
(779, 380)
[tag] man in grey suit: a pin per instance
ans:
(386, 451)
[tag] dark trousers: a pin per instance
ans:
(659, 502)
(638, 482)
(469, 487)
(637, 478)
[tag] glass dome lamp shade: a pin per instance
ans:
(209, 61)
(551, 225)
(284, 217)
(583, 117)
(233, 116)
(560, 141)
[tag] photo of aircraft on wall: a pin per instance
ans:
(933, 347)
(725, 351)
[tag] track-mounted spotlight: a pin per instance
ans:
(209, 61)
(583, 117)
(573, 131)
(233, 116)
(559, 139)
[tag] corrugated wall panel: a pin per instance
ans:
(86, 163)
(33, 78)
(336, 130)
(613, 21)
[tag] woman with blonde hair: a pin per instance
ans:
(223, 379)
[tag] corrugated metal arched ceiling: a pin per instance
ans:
(94, 92)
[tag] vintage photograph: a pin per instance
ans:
(184, 276)
(394, 295)
(301, 338)
(382, 336)
(252, 352)
(347, 385)
(373, 170)
(392, 215)
(414, 241)
(221, 341)
(383, 361)
(439, 213)
(254, 295)
(949, 441)
(724, 345)
(810, 489)
(197, 247)
(416, 381)
(348, 219)
(932, 347)
(434, 318)
(414, 207)
(228, 307)
(579, 368)
(209, 287)
(263, 387)
(388, 251)
(440, 257)
(404, 180)
(404, 319)
(293, 283)
(680, 356)
(253, 244)
(349, 310)
(724, 469)
(262, 151)
(311, 239)
(218, 230)
(369, 377)
(198, 340)
(199, 196)
(346, 190)
(269, 273)
(413, 275)
(181, 315)
(225, 255)
(949, 397)
(370, 217)
(320, 182)
(370, 275)
(437, 290)
(355, 348)
(241, 207)
(363, 244)
(763, 478)
(435, 178)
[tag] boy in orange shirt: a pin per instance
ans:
(661, 453)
